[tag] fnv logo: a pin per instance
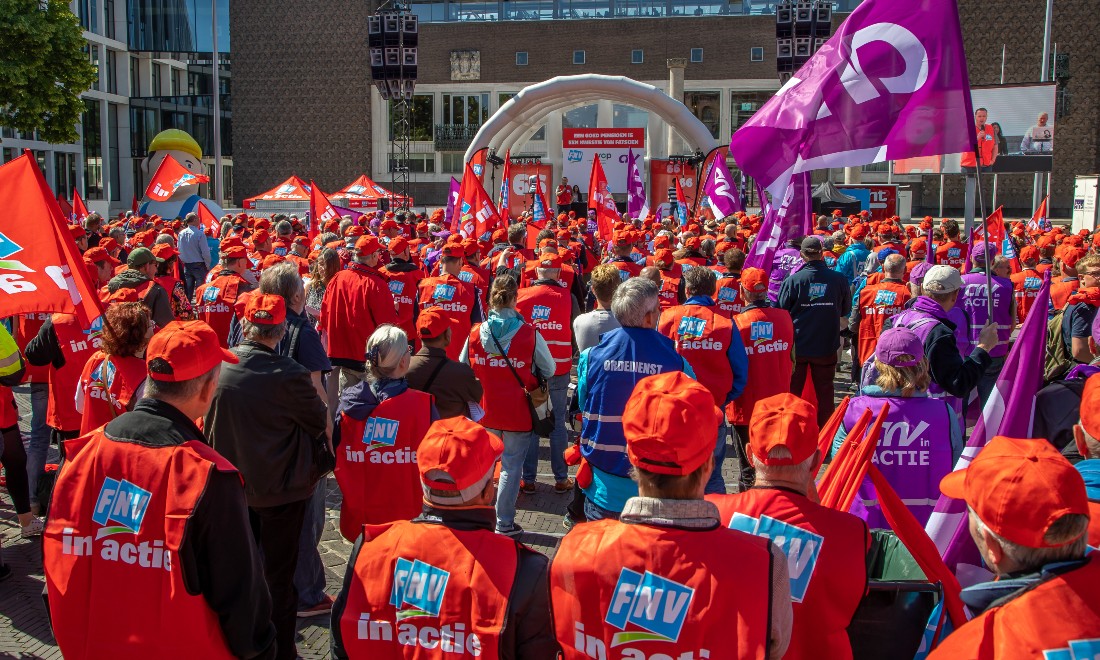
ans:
(540, 313)
(802, 547)
(444, 292)
(96, 328)
(817, 291)
(691, 327)
(396, 287)
(380, 432)
(9, 247)
(211, 294)
(885, 297)
(418, 588)
(356, 189)
(465, 276)
(104, 373)
(727, 294)
(648, 601)
(761, 331)
(1033, 283)
(120, 502)
(953, 253)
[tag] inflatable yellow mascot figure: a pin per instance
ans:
(181, 146)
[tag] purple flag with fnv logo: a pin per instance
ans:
(636, 206)
(1009, 411)
(450, 218)
(891, 83)
(719, 189)
(792, 220)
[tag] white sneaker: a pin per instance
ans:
(34, 528)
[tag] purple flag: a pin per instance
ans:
(636, 205)
(355, 215)
(891, 83)
(1009, 411)
(719, 189)
(450, 218)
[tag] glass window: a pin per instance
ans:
(421, 116)
(88, 11)
(429, 12)
(529, 10)
(93, 151)
(114, 188)
(175, 82)
(521, 58)
(636, 56)
(419, 163)
(744, 104)
(465, 109)
(112, 82)
(93, 57)
(640, 8)
(473, 11)
(64, 173)
(584, 9)
(155, 86)
(582, 117)
(176, 26)
(696, 54)
(756, 54)
(627, 116)
(135, 79)
(701, 7)
(705, 106)
(453, 162)
(578, 57)
(109, 18)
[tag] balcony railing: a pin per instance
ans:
(454, 137)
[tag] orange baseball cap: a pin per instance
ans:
(664, 255)
(388, 223)
(471, 247)
(457, 454)
(432, 322)
(1019, 488)
(548, 242)
(265, 309)
(670, 422)
(1090, 406)
(661, 242)
(1070, 256)
(108, 243)
(398, 244)
(754, 280)
(783, 420)
(99, 255)
(234, 252)
(271, 260)
(77, 231)
(549, 261)
(452, 250)
(163, 252)
(368, 244)
(260, 236)
(693, 243)
(354, 231)
(190, 349)
(1029, 253)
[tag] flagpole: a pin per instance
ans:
(703, 184)
(985, 233)
(217, 110)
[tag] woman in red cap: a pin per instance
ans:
(167, 256)
(114, 376)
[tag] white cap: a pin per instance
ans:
(942, 279)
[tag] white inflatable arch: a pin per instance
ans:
(518, 119)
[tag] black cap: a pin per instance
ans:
(811, 244)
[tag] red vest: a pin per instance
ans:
(422, 590)
(1025, 288)
(457, 299)
(215, 302)
(108, 395)
(1059, 294)
(1094, 524)
(703, 337)
(25, 330)
(1060, 612)
(111, 551)
(660, 592)
(77, 345)
(479, 277)
(403, 287)
(377, 469)
(986, 140)
(727, 297)
(9, 416)
(877, 303)
(505, 404)
(824, 597)
(669, 294)
(548, 308)
(627, 268)
(168, 283)
(952, 253)
(768, 336)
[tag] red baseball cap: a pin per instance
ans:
(432, 322)
(190, 349)
(670, 422)
(664, 255)
(388, 223)
(754, 280)
(163, 252)
(500, 236)
(1019, 488)
(354, 231)
(234, 252)
(693, 243)
(1029, 253)
(471, 247)
(661, 242)
(98, 255)
(551, 242)
(1090, 406)
(260, 236)
(1070, 256)
(368, 244)
(271, 260)
(457, 454)
(783, 420)
(230, 241)
(398, 244)
(265, 309)
(108, 243)
(549, 261)
(77, 231)
(452, 250)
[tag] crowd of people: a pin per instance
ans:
(235, 368)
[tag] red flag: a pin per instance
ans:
(681, 203)
(1039, 218)
(478, 162)
(169, 177)
(477, 214)
(599, 198)
(994, 226)
(504, 197)
(40, 265)
(79, 210)
(208, 220)
(66, 207)
(134, 205)
(320, 210)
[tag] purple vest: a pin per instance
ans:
(921, 323)
(786, 261)
(973, 300)
(961, 318)
(914, 452)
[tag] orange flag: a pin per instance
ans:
(320, 210)
(599, 198)
(40, 265)
(169, 177)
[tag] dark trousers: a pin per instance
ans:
(747, 476)
(277, 530)
(194, 275)
(822, 370)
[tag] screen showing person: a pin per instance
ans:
(1039, 139)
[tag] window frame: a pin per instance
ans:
(641, 56)
(584, 57)
(526, 58)
(753, 50)
(691, 56)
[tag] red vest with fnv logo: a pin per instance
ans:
(640, 591)
(703, 337)
(108, 387)
(77, 345)
(215, 302)
(768, 336)
(504, 401)
(727, 296)
(826, 554)
(111, 552)
(422, 590)
(670, 290)
(376, 464)
(403, 286)
(548, 308)
(877, 303)
(456, 299)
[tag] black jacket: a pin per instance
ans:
(266, 419)
(528, 632)
(817, 298)
(218, 555)
(950, 370)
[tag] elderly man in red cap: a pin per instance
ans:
(445, 582)
(147, 550)
(403, 276)
(670, 545)
(831, 545)
(216, 301)
(1029, 517)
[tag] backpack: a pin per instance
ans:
(1058, 360)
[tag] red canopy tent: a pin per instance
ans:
(293, 190)
(364, 193)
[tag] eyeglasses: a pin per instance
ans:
(1093, 273)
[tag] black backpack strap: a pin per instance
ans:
(435, 373)
(289, 345)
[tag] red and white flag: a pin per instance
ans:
(476, 213)
(320, 210)
(169, 177)
(599, 198)
(40, 265)
(79, 210)
(1038, 221)
(209, 221)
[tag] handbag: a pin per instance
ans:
(538, 399)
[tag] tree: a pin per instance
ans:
(44, 68)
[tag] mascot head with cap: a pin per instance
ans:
(187, 152)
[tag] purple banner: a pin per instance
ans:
(450, 219)
(792, 220)
(720, 191)
(891, 83)
(636, 205)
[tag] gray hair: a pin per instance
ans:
(547, 273)
(387, 345)
(190, 218)
(283, 228)
(700, 281)
(634, 299)
(1068, 536)
(163, 239)
(263, 332)
(894, 264)
(281, 280)
(790, 473)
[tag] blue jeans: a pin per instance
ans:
(597, 512)
(194, 274)
(559, 399)
(309, 573)
(516, 446)
(39, 447)
(716, 483)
